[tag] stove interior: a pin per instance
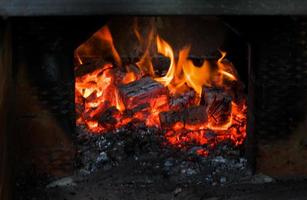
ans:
(156, 107)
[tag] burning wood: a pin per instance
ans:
(181, 101)
(87, 68)
(187, 118)
(108, 118)
(218, 105)
(145, 90)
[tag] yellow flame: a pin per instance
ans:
(197, 77)
(165, 49)
(100, 44)
(225, 69)
(184, 72)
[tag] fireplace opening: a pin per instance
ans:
(161, 95)
(144, 93)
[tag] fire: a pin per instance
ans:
(165, 49)
(129, 77)
(145, 64)
(189, 103)
(100, 44)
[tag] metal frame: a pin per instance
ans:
(151, 7)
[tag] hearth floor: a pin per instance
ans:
(124, 182)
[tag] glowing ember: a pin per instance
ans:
(190, 104)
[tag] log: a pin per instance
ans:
(218, 105)
(188, 116)
(145, 90)
(108, 118)
(184, 100)
(140, 108)
(89, 67)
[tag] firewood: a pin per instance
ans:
(139, 108)
(87, 68)
(145, 90)
(184, 100)
(218, 105)
(108, 118)
(188, 116)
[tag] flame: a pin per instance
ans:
(104, 35)
(145, 64)
(184, 72)
(226, 70)
(129, 77)
(100, 44)
(95, 89)
(165, 49)
(79, 60)
(98, 95)
(197, 77)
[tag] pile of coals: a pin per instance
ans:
(147, 147)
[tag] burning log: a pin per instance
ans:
(188, 117)
(145, 90)
(108, 118)
(182, 101)
(87, 68)
(218, 105)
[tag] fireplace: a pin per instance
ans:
(154, 106)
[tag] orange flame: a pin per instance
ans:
(129, 77)
(105, 35)
(100, 44)
(145, 64)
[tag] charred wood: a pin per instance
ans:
(108, 117)
(218, 105)
(89, 67)
(184, 100)
(188, 116)
(145, 90)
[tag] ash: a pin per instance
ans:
(149, 152)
